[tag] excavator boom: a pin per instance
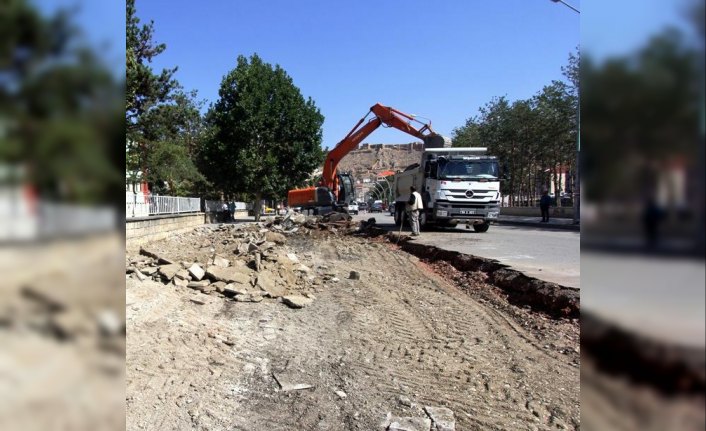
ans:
(382, 115)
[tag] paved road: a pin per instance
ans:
(550, 255)
(655, 296)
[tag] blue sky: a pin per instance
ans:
(439, 60)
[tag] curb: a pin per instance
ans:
(546, 297)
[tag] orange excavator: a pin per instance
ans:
(335, 191)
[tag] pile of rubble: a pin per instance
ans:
(244, 262)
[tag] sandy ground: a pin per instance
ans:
(398, 339)
(62, 360)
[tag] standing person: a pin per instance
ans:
(231, 210)
(414, 205)
(544, 203)
(224, 211)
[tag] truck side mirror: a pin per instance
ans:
(430, 169)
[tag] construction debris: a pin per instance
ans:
(261, 266)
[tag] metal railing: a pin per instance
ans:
(139, 205)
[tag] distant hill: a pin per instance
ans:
(370, 159)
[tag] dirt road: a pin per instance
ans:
(387, 345)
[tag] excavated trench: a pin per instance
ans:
(670, 369)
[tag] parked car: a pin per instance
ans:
(362, 206)
(376, 207)
(391, 208)
(353, 208)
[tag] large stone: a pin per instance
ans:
(266, 283)
(198, 284)
(154, 255)
(180, 282)
(293, 257)
(183, 274)
(296, 301)
(169, 271)
(258, 262)
(219, 286)
(221, 261)
(229, 275)
(298, 218)
(442, 418)
(249, 297)
(150, 270)
(275, 237)
(410, 424)
(233, 289)
(109, 323)
(196, 271)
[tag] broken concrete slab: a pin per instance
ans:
(275, 237)
(109, 323)
(169, 271)
(409, 424)
(442, 418)
(198, 284)
(248, 297)
(221, 261)
(233, 289)
(286, 384)
(196, 271)
(140, 276)
(180, 282)
(219, 286)
(293, 257)
(296, 301)
(266, 283)
(149, 270)
(229, 275)
(154, 255)
(183, 274)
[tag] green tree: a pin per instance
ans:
(639, 112)
(533, 138)
(266, 138)
(60, 106)
(163, 122)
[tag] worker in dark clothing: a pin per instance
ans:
(544, 202)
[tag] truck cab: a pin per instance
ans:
(458, 185)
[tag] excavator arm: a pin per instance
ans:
(382, 115)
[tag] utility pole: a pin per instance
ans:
(576, 195)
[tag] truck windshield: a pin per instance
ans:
(469, 169)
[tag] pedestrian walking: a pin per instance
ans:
(231, 210)
(414, 206)
(544, 203)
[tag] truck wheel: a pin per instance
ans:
(481, 227)
(398, 215)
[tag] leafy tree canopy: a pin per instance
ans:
(266, 137)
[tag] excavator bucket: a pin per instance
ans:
(436, 141)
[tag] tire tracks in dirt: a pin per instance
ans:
(394, 341)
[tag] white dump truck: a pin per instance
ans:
(458, 185)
